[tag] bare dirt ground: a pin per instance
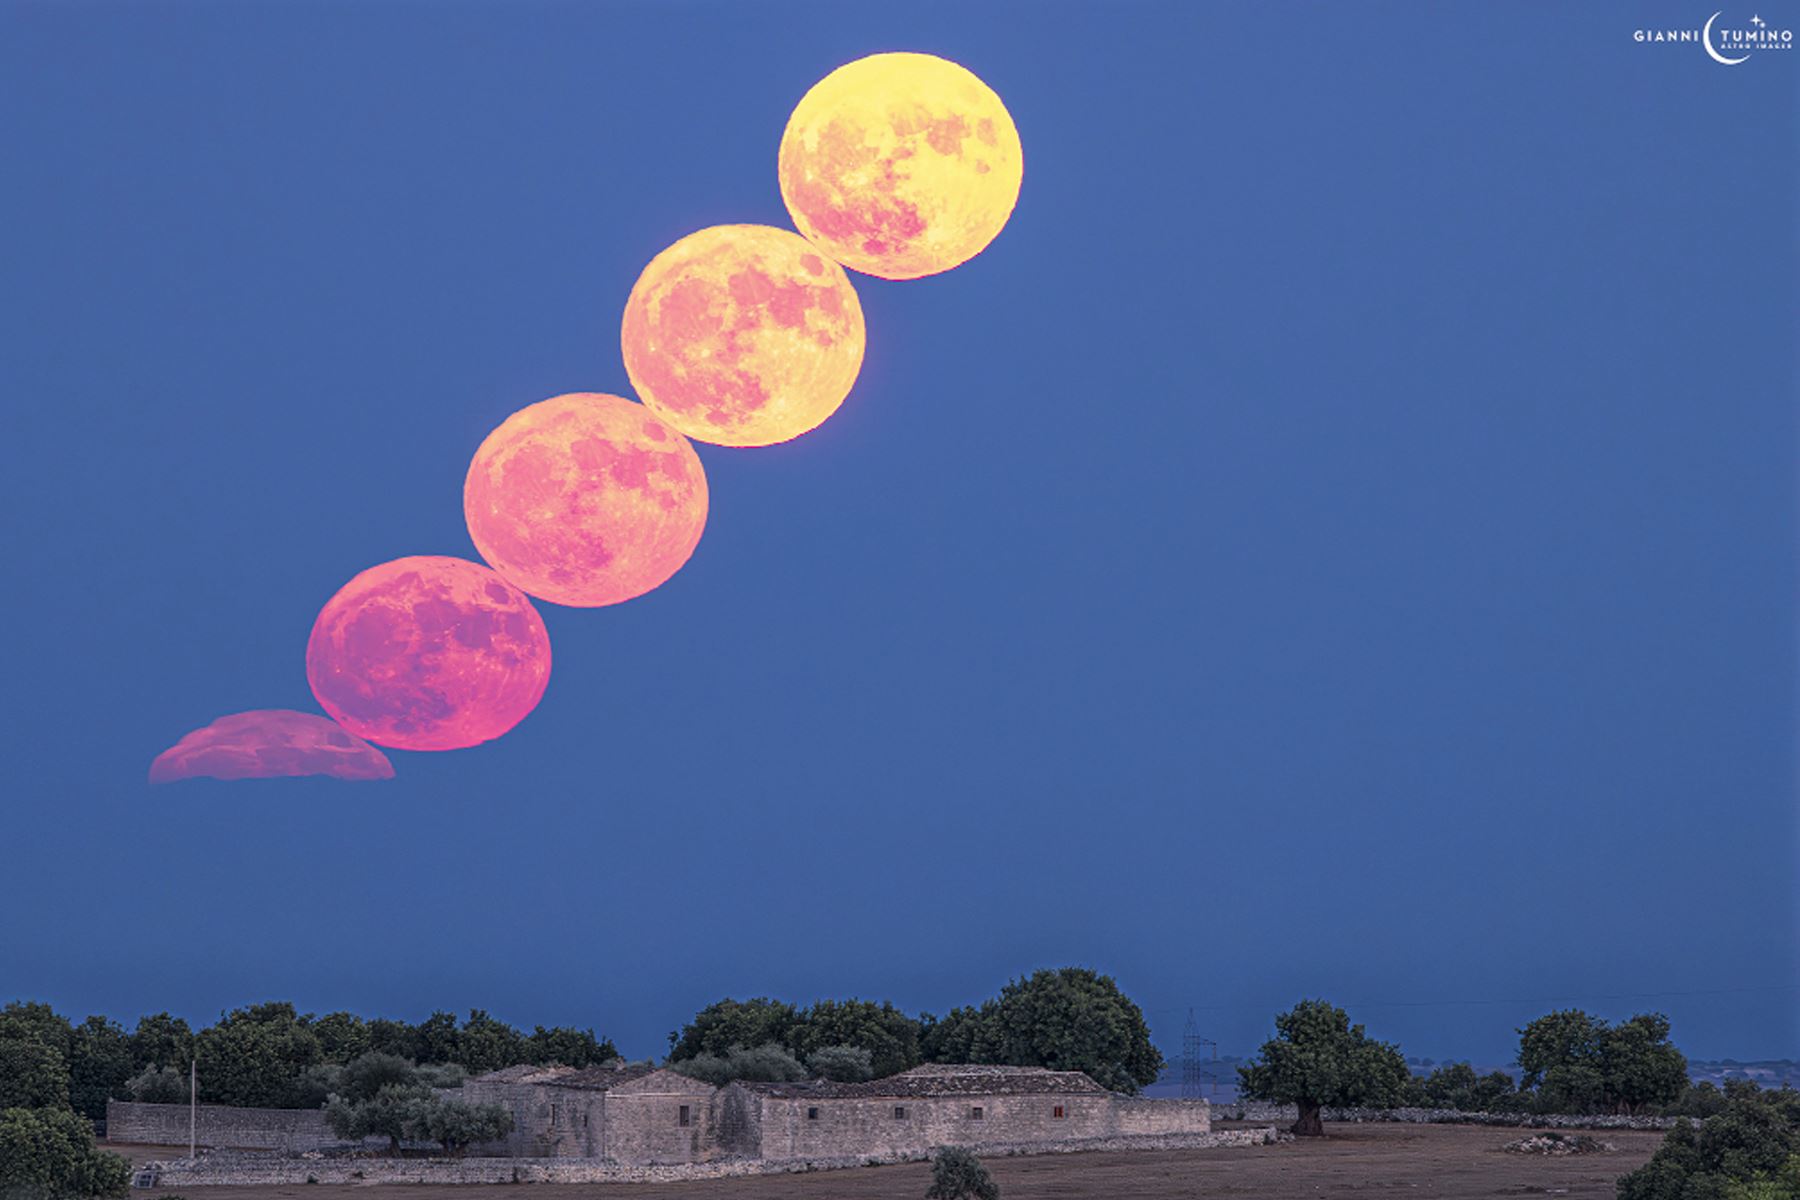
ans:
(1443, 1162)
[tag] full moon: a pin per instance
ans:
(428, 653)
(900, 165)
(585, 499)
(743, 335)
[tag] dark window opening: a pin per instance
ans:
(553, 1114)
(975, 1113)
(687, 1116)
(812, 1114)
(1057, 1112)
(899, 1112)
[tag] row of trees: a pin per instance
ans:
(262, 1056)
(1570, 1062)
(1072, 1019)
(47, 1149)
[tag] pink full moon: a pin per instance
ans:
(428, 653)
(585, 499)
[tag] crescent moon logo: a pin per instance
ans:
(1716, 56)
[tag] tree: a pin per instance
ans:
(844, 1064)
(1640, 1066)
(889, 1035)
(436, 1040)
(397, 1038)
(570, 1047)
(1318, 1058)
(1750, 1143)
(1072, 1019)
(385, 1114)
(256, 1056)
(49, 1154)
(25, 1018)
(1455, 1085)
(162, 1041)
(32, 1074)
(342, 1036)
(952, 1039)
(158, 1085)
(456, 1125)
(369, 1073)
(723, 1024)
(956, 1174)
(99, 1065)
(1578, 1063)
(485, 1044)
(770, 1063)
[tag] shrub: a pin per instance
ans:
(767, 1064)
(1752, 1142)
(956, 1174)
(844, 1064)
(49, 1154)
(159, 1085)
(456, 1125)
(441, 1075)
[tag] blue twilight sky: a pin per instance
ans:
(1340, 539)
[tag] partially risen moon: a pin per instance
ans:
(901, 165)
(585, 499)
(743, 335)
(428, 653)
(269, 743)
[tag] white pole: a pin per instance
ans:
(193, 1102)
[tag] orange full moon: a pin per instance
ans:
(900, 165)
(742, 335)
(428, 653)
(585, 499)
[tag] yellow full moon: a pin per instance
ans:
(742, 335)
(901, 165)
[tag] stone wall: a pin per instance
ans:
(291, 1129)
(236, 1169)
(1287, 1114)
(871, 1127)
(1142, 1116)
(647, 1126)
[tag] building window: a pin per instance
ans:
(812, 1114)
(1057, 1112)
(975, 1113)
(687, 1116)
(553, 1116)
(899, 1112)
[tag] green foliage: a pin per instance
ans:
(1455, 1085)
(410, 1112)
(49, 1154)
(770, 1063)
(162, 1041)
(436, 1040)
(1318, 1058)
(99, 1065)
(158, 1085)
(342, 1036)
(256, 1056)
(1752, 1144)
(394, 1037)
(1072, 1019)
(441, 1075)
(889, 1035)
(454, 1124)
(484, 1044)
(952, 1039)
(23, 1018)
(1698, 1100)
(570, 1047)
(317, 1084)
(956, 1174)
(844, 1064)
(32, 1073)
(370, 1072)
(726, 1023)
(1579, 1064)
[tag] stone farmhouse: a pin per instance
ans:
(642, 1115)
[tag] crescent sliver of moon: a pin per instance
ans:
(1706, 36)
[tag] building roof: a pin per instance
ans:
(942, 1079)
(601, 1078)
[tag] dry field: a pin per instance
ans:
(1452, 1162)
